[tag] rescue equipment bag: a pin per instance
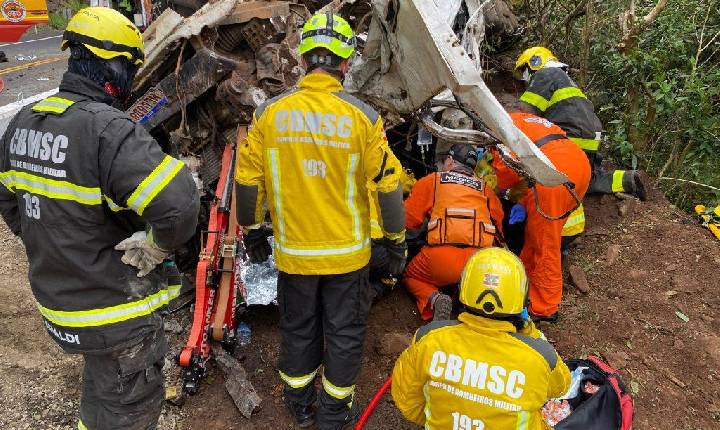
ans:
(609, 408)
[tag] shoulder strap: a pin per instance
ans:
(427, 328)
(365, 108)
(549, 138)
(260, 109)
(543, 347)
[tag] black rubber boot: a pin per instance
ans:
(442, 307)
(338, 417)
(304, 415)
(639, 187)
(540, 318)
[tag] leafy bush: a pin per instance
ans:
(658, 94)
(58, 19)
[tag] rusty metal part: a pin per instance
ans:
(196, 76)
(260, 9)
(229, 37)
(260, 32)
(241, 88)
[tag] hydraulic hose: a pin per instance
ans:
(373, 403)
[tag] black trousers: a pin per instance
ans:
(323, 320)
(123, 390)
(601, 181)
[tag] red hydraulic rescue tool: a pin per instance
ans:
(219, 291)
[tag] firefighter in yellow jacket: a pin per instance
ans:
(310, 154)
(492, 369)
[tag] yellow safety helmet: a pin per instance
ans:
(329, 31)
(494, 284)
(106, 33)
(534, 59)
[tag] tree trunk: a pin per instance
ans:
(586, 38)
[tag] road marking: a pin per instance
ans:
(31, 41)
(31, 64)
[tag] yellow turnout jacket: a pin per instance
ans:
(310, 154)
(477, 373)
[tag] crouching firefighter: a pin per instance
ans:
(554, 96)
(491, 368)
(462, 215)
(310, 153)
(78, 177)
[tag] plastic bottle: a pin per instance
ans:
(243, 333)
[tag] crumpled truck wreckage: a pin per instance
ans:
(206, 73)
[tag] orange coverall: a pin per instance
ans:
(438, 265)
(541, 252)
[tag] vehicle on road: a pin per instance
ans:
(17, 16)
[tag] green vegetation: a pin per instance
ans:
(654, 79)
(58, 19)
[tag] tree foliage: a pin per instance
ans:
(655, 83)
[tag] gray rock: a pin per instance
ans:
(240, 389)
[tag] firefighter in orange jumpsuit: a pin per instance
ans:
(462, 213)
(541, 251)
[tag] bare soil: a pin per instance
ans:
(666, 263)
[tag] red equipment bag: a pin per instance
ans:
(610, 408)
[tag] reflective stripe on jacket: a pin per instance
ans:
(311, 153)
(79, 176)
(554, 96)
(480, 372)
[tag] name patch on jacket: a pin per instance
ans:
(460, 179)
(464, 377)
(327, 124)
(61, 335)
(39, 145)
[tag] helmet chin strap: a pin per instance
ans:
(526, 74)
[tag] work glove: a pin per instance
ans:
(517, 214)
(256, 244)
(141, 252)
(396, 255)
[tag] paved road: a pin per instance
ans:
(27, 77)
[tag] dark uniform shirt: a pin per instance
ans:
(554, 96)
(77, 176)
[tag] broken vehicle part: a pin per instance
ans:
(412, 55)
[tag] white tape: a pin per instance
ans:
(8, 111)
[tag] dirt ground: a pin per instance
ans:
(644, 262)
